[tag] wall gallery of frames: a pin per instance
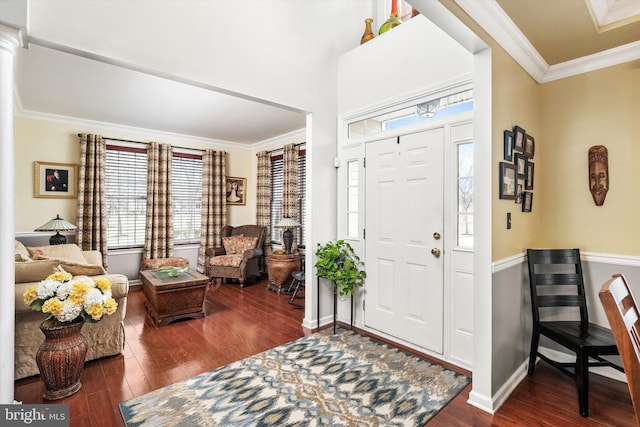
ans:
(517, 171)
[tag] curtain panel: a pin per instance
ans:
(290, 175)
(263, 198)
(91, 213)
(158, 242)
(214, 203)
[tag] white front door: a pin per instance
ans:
(404, 224)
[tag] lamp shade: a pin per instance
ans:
(288, 223)
(56, 224)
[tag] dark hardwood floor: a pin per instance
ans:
(242, 322)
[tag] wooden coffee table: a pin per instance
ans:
(172, 298)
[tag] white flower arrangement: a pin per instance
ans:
(67, 298)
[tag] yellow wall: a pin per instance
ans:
(47, 141)
(597, 108)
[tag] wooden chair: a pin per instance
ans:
(557, 290)
(624, 318)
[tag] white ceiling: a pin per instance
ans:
(56, 79)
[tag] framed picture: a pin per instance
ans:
(508, 145)
(55, 180)
(527, 201)
(518, 138)
(236, 191)
(529, 146)
(519, 189)
(507, 181)
(529, 180)
(520, 162)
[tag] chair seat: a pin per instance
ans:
(570, 334)
(226, 260)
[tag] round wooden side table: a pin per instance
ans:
(279, 269)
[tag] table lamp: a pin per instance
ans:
(57, 224)
(287, 236)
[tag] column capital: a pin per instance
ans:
(9, 38)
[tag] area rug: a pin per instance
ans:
(319, 380)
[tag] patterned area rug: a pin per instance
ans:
(319, 380)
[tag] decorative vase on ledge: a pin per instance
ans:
(368, 32)
(393, 20)
(60, 358)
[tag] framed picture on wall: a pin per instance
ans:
(518, 138)
(507, 181)
(508, 145)
(236, 189)
(529, 180)
(520, 162)
(529, 146)
(55, 180)
(527, 201)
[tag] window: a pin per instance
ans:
(352, 199)
(125, 196)
(277, 196)
(186, 189)
(465, 195)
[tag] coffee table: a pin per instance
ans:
(171, 298)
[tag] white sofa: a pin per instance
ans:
(105, 338)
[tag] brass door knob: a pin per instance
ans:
(436, 252)
(436, 235)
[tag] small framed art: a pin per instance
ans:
(529, 146)
(519, 189)
(520, 162)
(508, 145)
(507, 181)
(236, 189)
(527, 201)
(55, 180)
(529, 180)
(518, 138)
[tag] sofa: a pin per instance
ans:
(33, 264)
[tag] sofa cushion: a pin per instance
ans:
(69, 252)
(22, 254)
(246, 242)
(226, 260)
(35, 271)
(81, 268)
(231, 244)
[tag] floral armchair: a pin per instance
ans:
(240, 255)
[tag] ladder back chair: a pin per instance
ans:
(557, 292)
(624, 318)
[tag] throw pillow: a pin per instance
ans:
(245, 243)
(81, 269)
(22, 252)
(35, 271)
(69, 252)
(231, 243)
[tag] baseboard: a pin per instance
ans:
(481, 402)
(509, 386)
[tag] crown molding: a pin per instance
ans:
(296, 135)
(490, 16)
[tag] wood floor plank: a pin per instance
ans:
(240, 322)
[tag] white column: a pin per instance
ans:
(9, 42)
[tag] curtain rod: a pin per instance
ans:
(147, 143)
(282, 148)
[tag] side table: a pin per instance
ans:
(279, 269)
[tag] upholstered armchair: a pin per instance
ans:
(240, 255)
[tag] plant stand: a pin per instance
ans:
(335, 304)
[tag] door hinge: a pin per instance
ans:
(364, 162)
(364, 233)
(398, 140)
(363, 304)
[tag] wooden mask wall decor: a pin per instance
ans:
(598, 173)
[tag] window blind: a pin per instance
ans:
(277, 196)
(125, 196)
(186, 188)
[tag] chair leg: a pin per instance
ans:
(533, 354)
(582, 380)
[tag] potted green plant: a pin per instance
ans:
(338, 262)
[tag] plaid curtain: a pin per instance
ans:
(158, 239)
(214, 203)
(263, 198)
(290, 176)
(91, 214)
